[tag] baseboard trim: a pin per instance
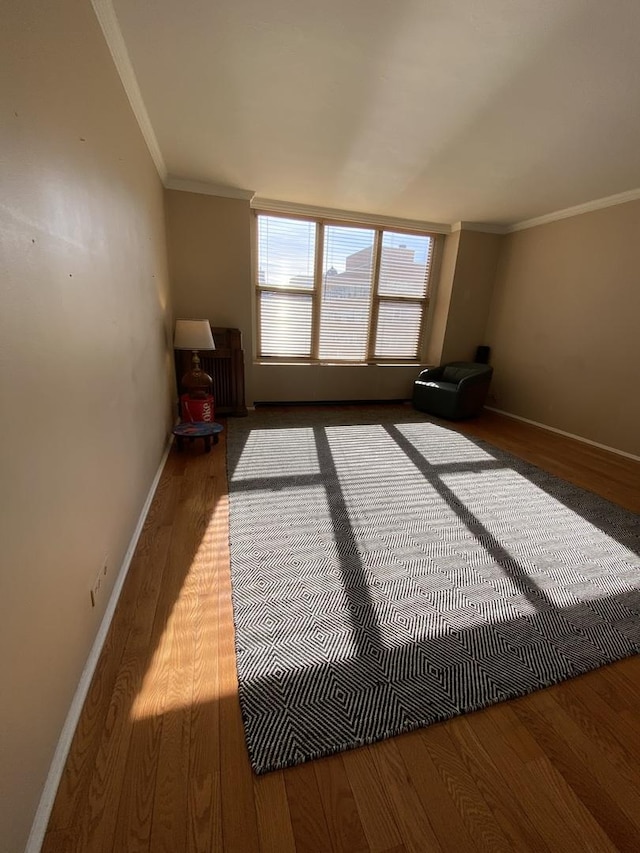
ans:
(265, 404)
(43, 812)
(566, 434)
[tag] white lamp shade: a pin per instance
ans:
(193, 335)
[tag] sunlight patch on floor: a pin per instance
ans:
(268, 452)
(428, 441)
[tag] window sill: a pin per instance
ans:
(350, 364)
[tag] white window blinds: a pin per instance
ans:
(340, 293)
(345, 304)
(398, 331)
(405, 263)
(286, 252)
(285, 324)
(286, 264)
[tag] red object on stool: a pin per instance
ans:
(196, 410)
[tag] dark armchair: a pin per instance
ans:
(455, 390)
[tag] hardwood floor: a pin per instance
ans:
(159, 762)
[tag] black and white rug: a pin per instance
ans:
(389, 572)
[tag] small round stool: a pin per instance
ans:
(197, 429)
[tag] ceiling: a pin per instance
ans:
(492, 111)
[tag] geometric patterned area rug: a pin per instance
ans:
(389, 572)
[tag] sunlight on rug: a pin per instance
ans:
(389, 572)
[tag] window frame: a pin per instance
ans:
(376, 299)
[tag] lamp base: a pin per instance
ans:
(197, 384)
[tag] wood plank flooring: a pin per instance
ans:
(158, 762)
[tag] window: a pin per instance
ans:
(340, 293)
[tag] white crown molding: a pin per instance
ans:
(205, 188)
(270, 205)
(107, 18)
(567, 213)
(108, 21)
(482, 227)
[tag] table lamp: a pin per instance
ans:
(195, 335)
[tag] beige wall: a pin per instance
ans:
(563, 326)
(210, 263)
(85, 372)
(442, 300)
(475, 272)
(463, 297)
(314, 382)
(552, 305)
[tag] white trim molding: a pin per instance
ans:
(108, 20)
(106, 15)
(566, 434)
(270, 205)
(205, 188)
(483, 227)
(43, 812)
(567, 213)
